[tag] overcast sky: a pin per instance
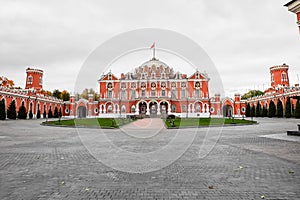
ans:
(243, 38)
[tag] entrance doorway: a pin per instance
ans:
(153, 109)
(227, 111)
(143, 108)
(81, 112)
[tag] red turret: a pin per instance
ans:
(279, 76)
(34, 79)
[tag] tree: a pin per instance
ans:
(11, 111)
(65, 95)
(252, 93)
(85, 94)
(2, 110)
(288, 108)
(56, 93)
(248, 108)
(38, 114)
(258, 110)
(297, 109)
(264, 111)
(272, 110)
(22, 112)
(30, 114)
(44, 114)
(55, 112)
(50, 114)
(252, 111)
(279, 109)
(60, 113)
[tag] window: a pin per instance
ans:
(212, 110)
(163, 93)
(153, 93)
(66, 110)
(109, 76)
(29, 80)
(272, 77)
(197, 108)
(109, 109)
(173, 108)
(182, 93)
(123, 109)
(41, 81)
(173, 94)
(96, 110)
(197, 93)
(143, 93)
(243, 109)
(123, 94)
(183, 108)
(109, 95)
(132, 94)
(283, 77)
(133, 108)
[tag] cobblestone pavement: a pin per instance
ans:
(39, 162)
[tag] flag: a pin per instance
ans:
(153, 45)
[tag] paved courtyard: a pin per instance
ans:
(241, 162)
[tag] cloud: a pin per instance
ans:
(243, 38)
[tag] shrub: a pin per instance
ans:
(11, 111)
(30, 114)
(2, 110)
(50, 114)
(55, 113)
(38, 114)
(272, 110)
(22, 112)
(279, 109)
(297, 109)
(288, 108)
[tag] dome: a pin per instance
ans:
(154, 67)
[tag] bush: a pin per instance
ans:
(272, 110)
(44, 114)
(258, 110)
(56, 113)
(264, 112)
(38, 114)
(297, 109)
(11, 111)
(279, 109)
(22, 112)
(288, 108)
(30, 114)
(248, 110)
(2, 110)
(50, 114)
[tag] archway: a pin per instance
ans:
(143, 108)
(227, 111)
(164, 108)
(153, 109)
(81, 111)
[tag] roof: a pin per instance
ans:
(289, 3)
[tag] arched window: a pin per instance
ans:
(29, 81)
(272, 77)
(283, 77)
(183, 108)
(173, 108)
(41, 80)
(197, 107)
(123, 109)
(133, 108)
(109, 109)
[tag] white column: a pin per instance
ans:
(148, 110)
(158, 109)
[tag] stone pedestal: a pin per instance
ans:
(295, 133)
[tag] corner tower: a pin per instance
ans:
(34, 79)
(294, 6)
(279, 76)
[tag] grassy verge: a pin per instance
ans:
(202, 122)
(92, 122)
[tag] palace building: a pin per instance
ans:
(280, 90)
(294, 6)
(154, 89)
(33, 97)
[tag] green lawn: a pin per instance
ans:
(91, 122)
(199, 122)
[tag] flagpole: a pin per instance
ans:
(154, 50)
